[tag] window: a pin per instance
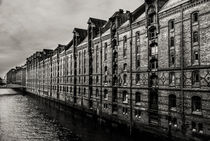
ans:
(151, 15)
(105, 51)
(200, 128)
(195, 77)
(97, 79)
(196, 104)
(193, 124)
(172, 102)
(152, 33)
(137, 63)
(97, 59)
(195, 36)
(105, 106)
(172, 59)
(196, 56)
(172, 42)
(84, 91)
(195, 17)
(137, 42)
(137, 78)
(125, 79)
(137, 113)
(97, 93)
(171, 78)
(154, 64)
(125, 110)
(106, 94)
(171, 24)
(79, 62)
(125, 97)
(138, 97)
(125, 67)
(84, 61)
(124, 46)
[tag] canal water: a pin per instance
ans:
(28, 118)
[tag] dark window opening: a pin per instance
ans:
(196, 56)
(138, 97)
(124, 46)
(172, 42)
(171, 25)
(152, 33)
(195, 17)
(196, 104)
(172, 101)
(125, 97)
(196, 77)
(137, 78)
(195, 37)
(171, 78)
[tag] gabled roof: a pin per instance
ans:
(138, 12)
(80, 32)
(97, 22)
(171, 4)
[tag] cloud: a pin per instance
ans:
(27, 26)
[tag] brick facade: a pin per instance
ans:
(148, 68)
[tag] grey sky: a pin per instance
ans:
(27, 26)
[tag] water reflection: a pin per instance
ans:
(24, 118)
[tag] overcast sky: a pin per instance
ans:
(27, 26)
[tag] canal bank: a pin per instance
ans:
(116, 123)
(28, 117)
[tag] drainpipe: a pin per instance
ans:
(131, 101)
(100, 112)
(182, 72)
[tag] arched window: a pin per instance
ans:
(84, 61)
(125, 79)
(125, 66)
(196, 104)
(106, 94)
(172, 101)
(105, 51)
(195, 77)
(137, 42)
(195, 17)
(124, 46)
(195, 36)
(125, 97)
(171, 24)
(137, 97)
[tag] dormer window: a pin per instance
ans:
(151, 15)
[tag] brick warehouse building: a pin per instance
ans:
(149, 69)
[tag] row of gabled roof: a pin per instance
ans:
(104, 26)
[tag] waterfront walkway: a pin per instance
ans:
(11, 86)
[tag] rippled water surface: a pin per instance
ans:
(26, 118)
